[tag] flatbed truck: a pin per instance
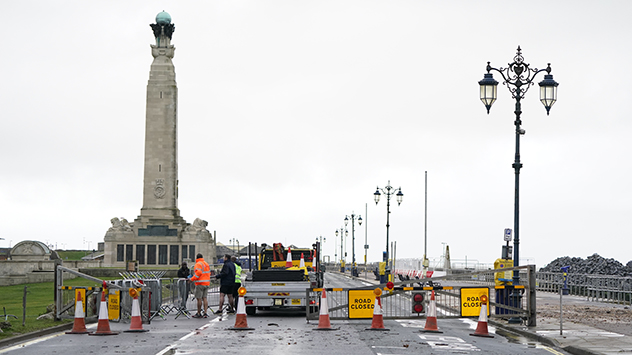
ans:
(274, 286)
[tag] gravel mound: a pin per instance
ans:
(593, 264)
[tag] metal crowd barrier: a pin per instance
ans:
(159, 296)
(177, 297)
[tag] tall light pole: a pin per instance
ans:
(233, 241)
(388, 191)
(366, 244)
(518, 77)
(335, 250)
(354, 267)
(320, 248)
(343, 232)
(425, 262)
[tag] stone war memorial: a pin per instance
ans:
(159, 236)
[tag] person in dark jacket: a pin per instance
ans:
(226, 285)
(183, 284)
(184, 271)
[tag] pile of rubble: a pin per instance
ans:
(593, 264)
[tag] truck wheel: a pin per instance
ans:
(251, 311)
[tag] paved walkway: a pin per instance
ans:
(579, 339)
(576, 338)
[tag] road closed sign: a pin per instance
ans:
(471, 301)
(361, 303)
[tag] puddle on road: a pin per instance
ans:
(518, 339)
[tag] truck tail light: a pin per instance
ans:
(250, 302)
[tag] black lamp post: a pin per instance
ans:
(319, 249)
(388, 191)
(342, 256)
(354, 267)
(518, 77)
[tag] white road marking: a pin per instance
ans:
(173, 345)
(447, 342)
(411, 323)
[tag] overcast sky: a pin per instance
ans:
(291, 113)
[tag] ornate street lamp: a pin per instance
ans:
(518, 77)
(343, 233)
(388, 191)
(354, 267)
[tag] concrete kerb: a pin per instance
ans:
(36, 334)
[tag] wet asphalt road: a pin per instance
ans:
(283, 333)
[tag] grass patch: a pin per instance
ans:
(38, 297)
(72, 254)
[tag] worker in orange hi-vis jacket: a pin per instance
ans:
(202, 279)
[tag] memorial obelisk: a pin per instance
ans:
(160, 185)
(159, 236)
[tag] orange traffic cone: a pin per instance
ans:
(378, 320)
(288, 260)
(481, 327)
(241, 323)
(431, 318)
(103, 327)
(323, 318)
(136, 326)
(79, 327)
(302, 263)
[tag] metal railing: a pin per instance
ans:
(596, 288)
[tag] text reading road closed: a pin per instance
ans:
(471, 301)
(361, 303)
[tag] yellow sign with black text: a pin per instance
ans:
(82, 292)
(114, 305)
(471, 301)
(361, 303)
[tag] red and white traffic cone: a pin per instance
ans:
(79, 326)
(288, 260)
(431, 318)
(136, 326)
(302, 263)
(323, 317)
(378, 320)
(103, 327)
(241, 323)
(481, 327)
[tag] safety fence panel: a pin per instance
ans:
(158, 296)
(451, 295)
(398, 304)
(67, 296)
